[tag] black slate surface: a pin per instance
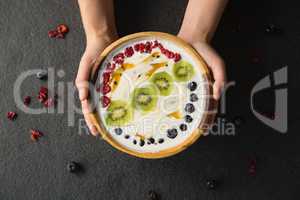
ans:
(38, 170)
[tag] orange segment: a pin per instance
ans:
(126, 66)
(155, 67)
(176, 115)
(151, 57)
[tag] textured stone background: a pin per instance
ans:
(38, 170)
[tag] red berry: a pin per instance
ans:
(105, 89)
(27, 100)
(136, 47)
(35, 134)
(106, 77)
(62, 28)
(177, 57)
(105, 101)
(129, 52)
(11, 115)
(52, 34)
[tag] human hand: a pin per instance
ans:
(94, 47)
(215, 64)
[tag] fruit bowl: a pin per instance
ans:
(154, 95)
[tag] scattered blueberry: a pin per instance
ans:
(211, 184)
(142, 143)
(188, 118)
(190, 108)
(151, 140)
(127, 136)
(42, 74)
(152, 195)
(183, 127)
(161, 140)
(192, 86)
(193, 97)
(272, 29)
(172, 133)
(73, 167)
(118, 131)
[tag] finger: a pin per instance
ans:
(86, 109)
(82, 78)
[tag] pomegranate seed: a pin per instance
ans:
(43, 94)
(171, 55)
(148, 48)
(35, 134)
(105, 101)
(62, 28)
(160, 46)
(52, 34)
(119, 61)
(49, 102)
(136, 47)
(106, 89)
(177, 57)
(11, 115)
(129, 52)
(164, 51)
(106, 77)
(27, 100)
(142, 48)
(44, 90)
(155, 44)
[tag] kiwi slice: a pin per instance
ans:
(118, 113)
(183, 71)
(164, 82)
(145, 98)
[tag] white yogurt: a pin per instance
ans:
(156, 123)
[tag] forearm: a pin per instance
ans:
(98, 18)
(201, 19)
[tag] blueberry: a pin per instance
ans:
(151, 140)
(42, 74)
(190, 108)
(183, 127)
(73, 167)
(161, 140)
(153, 195)
(142, 143)
(192, 86)
(134, 141)
(127, 136)
(193, 97)
(211, 184)
(118, 131)
(172, 133)
(188, 118)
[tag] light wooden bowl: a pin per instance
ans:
(210, 105)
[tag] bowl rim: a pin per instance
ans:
(210, 105)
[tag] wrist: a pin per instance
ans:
(105, 35)
(191, 36)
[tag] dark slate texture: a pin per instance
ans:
(34, 171)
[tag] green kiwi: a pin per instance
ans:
(118, 113)
(145, 98)
(164, 82)
(183, 71)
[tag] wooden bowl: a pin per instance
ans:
(210, 105)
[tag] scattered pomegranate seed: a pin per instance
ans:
(35, 134)
(60, 36)
(52, 34)
(106, 77)
(11, 115)
(27, 100)
(43, 94)
(106, 89)
(62, 28)
(177, 57)
(252, 167)
(129, 51)
(105, 101)
(49, 102)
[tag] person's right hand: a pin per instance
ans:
(93, 49)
